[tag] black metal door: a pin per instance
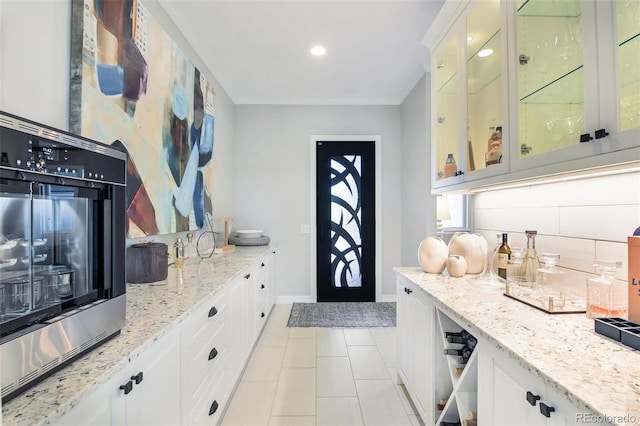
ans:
(345, 204)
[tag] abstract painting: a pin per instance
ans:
(133, 87)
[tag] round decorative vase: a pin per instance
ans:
(473, 247)
(456, 265)
(432, 255)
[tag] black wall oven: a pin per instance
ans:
(62, 249)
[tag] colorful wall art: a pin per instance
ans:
(132, 86)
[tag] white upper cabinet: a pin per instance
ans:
(527, 88)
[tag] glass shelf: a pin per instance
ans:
(564, 90)
(483, 71)
(450, 87)
(546, 8)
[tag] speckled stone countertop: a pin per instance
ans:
(594, 372)
(152, 310)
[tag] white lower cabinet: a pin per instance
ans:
(188, 375)
(486, 385)
(146, 392)
(414, 334)
(511, 395)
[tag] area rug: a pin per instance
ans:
(343, 314)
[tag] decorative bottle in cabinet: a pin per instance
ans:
(450, 166)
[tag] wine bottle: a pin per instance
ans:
(504, 255)
(457, 337)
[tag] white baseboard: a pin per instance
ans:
(286, 300)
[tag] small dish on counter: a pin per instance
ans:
(249, 233)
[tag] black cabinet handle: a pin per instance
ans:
(246, 277)
(262, 286)
(532, 399)
(214, 408)
(262, 315)
(213, 354)
(601, 133)
(409, 291)
(546, 410)
(586, 138)
(137, 378)
(262, 264)
(212, 311)
(127, 387)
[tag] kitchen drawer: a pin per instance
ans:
(203, 359)
(261, 315)
(204, 320)
(206, 407)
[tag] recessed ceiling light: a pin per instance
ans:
(318, 50)
(485, 52)
(469, 38)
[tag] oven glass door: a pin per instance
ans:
(48, 251)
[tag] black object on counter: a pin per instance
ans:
(620, 330)
(147, 263)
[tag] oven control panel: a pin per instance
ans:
(33, 153)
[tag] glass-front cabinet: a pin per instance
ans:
(484, 83)
(447, 118)
(467, 70)
(576, 79)
(539, 87)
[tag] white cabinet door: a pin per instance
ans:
(104, 407)
(414, 333)
(237, 328)
(156, 399)
(511, 395)
(403, 333)
(422, 336)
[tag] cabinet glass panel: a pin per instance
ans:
(484, 100)
(550, 76)
(628, 44)
(446, 125)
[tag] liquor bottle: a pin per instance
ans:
(530, 263)
(504, 256)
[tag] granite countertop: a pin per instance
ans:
(152, 310)
(594, 372)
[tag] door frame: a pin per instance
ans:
(313, 140)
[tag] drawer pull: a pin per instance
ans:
(262, 264)
(246, 277)
(213, 311)
(262, 287)
(546, 410)
(127, 387)
(214, 408)
(137, 378)
(262, 315)
(213, 354)
(532, 399)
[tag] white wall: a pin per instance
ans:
(272, 182)
(582, 220)
(34, 78)
(418, 205)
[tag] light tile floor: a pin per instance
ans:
(320, 376)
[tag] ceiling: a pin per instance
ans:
(258, 50)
